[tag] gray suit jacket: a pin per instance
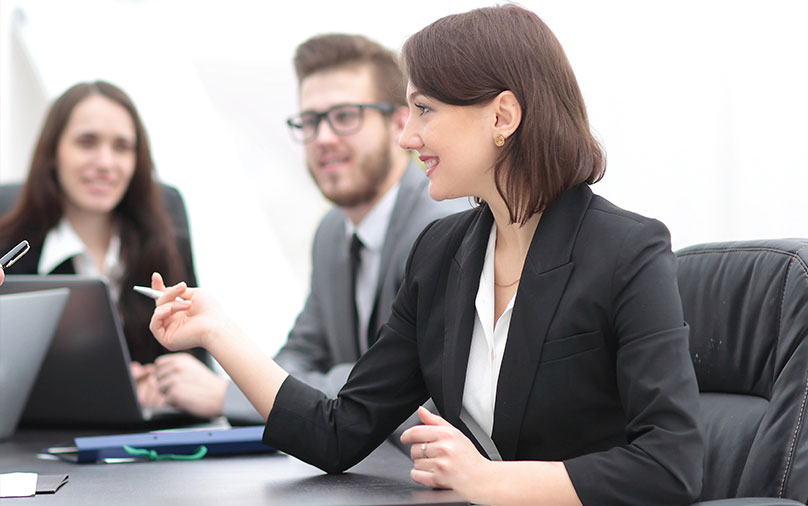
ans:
(321, 348)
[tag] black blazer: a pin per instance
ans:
(596, 370)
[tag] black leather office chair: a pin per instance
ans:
(172, 198)
(747, 307)
(8, 195)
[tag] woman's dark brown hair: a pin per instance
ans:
(147, 242)
(470, 58)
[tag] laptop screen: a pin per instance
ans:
(85, 378)
(27, 323)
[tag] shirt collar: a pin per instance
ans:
(487, 275)
(484, 301)
(63, 243)
(373, 227)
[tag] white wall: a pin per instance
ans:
(23, 101)
(701, 105)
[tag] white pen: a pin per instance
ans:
(151, 292)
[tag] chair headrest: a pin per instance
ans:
(747, 306)
(174, 203)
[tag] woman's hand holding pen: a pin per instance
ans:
(184, 317)
(195, 319)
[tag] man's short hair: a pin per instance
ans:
(335, 50)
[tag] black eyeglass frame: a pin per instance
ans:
(295, 122)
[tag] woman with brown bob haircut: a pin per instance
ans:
(546, 325)
(91, 205)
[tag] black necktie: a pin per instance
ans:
(356, 260)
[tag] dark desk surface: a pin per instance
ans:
(381, 479)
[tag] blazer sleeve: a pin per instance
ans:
(385, 386)
(661, 462)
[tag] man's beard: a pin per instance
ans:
(373, 171)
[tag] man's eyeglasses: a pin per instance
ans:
(344, 119)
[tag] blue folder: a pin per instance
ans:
(224, 441)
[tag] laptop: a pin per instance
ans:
(85, 378)
(27, 322)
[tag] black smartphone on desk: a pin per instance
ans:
(14, 254)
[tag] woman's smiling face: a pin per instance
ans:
(454, 142)
(95, 156)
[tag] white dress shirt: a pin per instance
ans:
(63, 243)
(371, 231)
(487, 346)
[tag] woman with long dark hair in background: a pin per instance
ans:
(91, 205)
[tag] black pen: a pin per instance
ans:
(15, 254)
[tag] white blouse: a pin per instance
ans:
(487, 346)
(63, 243)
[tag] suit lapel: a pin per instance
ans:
(547, 269)
(411, 184)
(29, 264)
(461, 289)
(410, 187)
(65, 267)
